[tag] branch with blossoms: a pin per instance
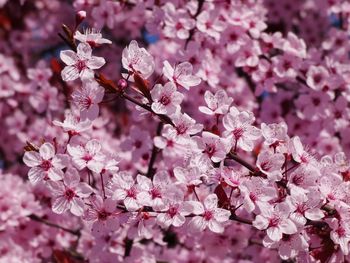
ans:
(285, 193)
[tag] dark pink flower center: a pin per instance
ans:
(131, 193)
(208, 215)
(181, 129)
(46, 165)
(103, 215)
(69, 194)
(155, 193)
(298, 179)
(274, 221)
(341, 231)
(87, 157)
(81, 65)
(237, 133)
(172, 211)
(165, 100)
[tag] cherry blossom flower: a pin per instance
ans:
(218, 103)
(257, 193)
(174, 212)
(166, 99)
(177, 22)
(270, 164)
(275, 221)
(92, 37)
(184, 127)
(340, 235)
(87, 99)
(305, 206)
(317, 77)
(45, 164)
(137, 60)
(127, 190)
(69, 193)
(103, 214)
(239, 129)
(208, 215)
(153, 192)
(181, 75)
(80, 64)
(214, 147)
(89, 156)
(73, 124)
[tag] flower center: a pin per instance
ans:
(103, 215)
(273, 222)
(46, 165)
(80, 65)
(131, 193)
(208, 215)
(155, 193)
(237, 133)
(172, 211)
(69, 194)
(165, 100)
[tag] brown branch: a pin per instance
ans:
(48, 223)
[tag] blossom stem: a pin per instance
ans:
(48, 223)
(103, 186)
(155, 151)
(239, 160)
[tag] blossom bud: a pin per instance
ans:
(79, 17)
(122, 84)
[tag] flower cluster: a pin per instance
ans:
(183, 131)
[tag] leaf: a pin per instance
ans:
(142, 85)
(108, 84)
(61, 256)
(223, 202)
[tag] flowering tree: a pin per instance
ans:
(174, 131)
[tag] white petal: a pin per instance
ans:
(32, 159)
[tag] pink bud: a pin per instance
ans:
(122, 84)
(79, 17)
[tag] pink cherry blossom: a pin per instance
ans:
(87, 99)
(137, 60)
(239, 129)
(80, 64)
(275, 221)
(166, 99)
(181, 75)
(218, 103)
(89, 156)
(208, 215)
(69, 193)
(45, 164)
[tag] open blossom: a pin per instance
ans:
(218, 103)
(137, 60)
(181, 75)
(87, 99)
(257, 193)
(89, 156)
(276, 221)
(102, 213)
(45, 163)
(166, 100)
(69, 193)
(270, 164)
(125, 188)
(92, 37)
(214, 147)
(239, 129)
(174, 211)
(73, 124)
(178, 23)
(153, 192)
(208, 215)
(184, 127)
(81, 63)
(305, 206)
